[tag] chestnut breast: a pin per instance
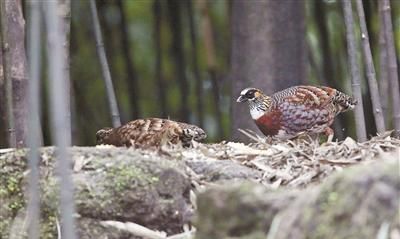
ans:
(269, 123)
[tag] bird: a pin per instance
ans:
(150, 132)
(297, 110)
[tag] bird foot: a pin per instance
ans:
(329, 132)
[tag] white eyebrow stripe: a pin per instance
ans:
(243, 92)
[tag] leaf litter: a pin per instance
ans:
(296, 163)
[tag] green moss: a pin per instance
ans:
(124, 177)
(12, 172)
(337, 201)
(48, 227)
(12, 167)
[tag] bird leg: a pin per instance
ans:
(328, 132)
(305, 136)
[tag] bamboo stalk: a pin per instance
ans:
(195, 64)
(321, 23)
(112, 100)
(392, 63)
(64, 9)
(132, 79)
(177, 51)
(209, 46)
(328, 74)
(14, 37)
(12, 141)
(59, 116)
(208, 35)
(370, 68)
(355, 72)
(34, 130)
(162, 87)
(3, 113)
(383, 70)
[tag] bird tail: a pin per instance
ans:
(344, 102)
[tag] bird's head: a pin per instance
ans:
(102, 135)
(249, 94)
(257, 100)
(191, 132)
(195, 133)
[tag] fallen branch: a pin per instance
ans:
(135, 229)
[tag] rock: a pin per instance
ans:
(110, 184)
(241, 210)
(355, 203)
(117, 187)
(220, 170)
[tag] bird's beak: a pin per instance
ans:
(241, 99)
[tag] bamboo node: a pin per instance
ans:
(6, 47)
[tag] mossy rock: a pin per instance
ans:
(110, 184)
(355, 203)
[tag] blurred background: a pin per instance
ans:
(187, 60)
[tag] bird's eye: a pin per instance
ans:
(187, 132)
(250, 94)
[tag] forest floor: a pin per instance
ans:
(288, 163)
(178, 191)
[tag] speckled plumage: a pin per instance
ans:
(151, 132)
(296, 110)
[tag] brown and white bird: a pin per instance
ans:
(151, 132)
(296, 110)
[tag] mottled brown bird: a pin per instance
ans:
(296, 110)
(151, 132)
